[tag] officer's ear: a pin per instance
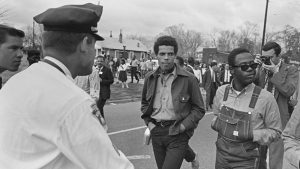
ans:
(83, 45)
(86, 43)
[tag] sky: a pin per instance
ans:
(151, 17)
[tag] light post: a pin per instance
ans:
(265, 22)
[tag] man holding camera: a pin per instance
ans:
(280, 79)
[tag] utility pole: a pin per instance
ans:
(33, 44)
(265, 22)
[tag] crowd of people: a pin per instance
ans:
(51, 114)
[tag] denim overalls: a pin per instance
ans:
(235, 146)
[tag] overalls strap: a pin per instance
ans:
(226, 92)
(255, 96)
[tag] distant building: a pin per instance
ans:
(209, 54)
(120, 47)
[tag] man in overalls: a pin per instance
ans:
(247, 116)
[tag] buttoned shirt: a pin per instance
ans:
(265, 115)
(47, 122)
(163, 106)
(227, 75)
(291, 139)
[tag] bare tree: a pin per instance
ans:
(227, 40)
(33, 38)
(4, 11)
(188, 40)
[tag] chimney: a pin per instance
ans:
(121, 36)
(110, 34)
(138, 44)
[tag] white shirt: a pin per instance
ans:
(227, 76)
(122, 67)
(212, 73)
(46, 122)
(198, 74)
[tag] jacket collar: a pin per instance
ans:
(179, 72)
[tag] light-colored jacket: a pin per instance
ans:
(291, 139)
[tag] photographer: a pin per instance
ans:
(280, 79)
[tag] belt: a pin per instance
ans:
(163, 123)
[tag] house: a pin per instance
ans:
(120, 47)
(209, 54)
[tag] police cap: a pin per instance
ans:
(72, 18)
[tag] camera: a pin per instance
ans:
(266, 60)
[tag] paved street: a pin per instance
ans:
(126, 130)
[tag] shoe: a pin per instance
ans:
(127, 86)
(195, 163)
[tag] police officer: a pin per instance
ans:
(46, 120)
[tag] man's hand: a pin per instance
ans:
(272, 68)
(263, 137)
(181, 128)
(257, 59)
(151, 126)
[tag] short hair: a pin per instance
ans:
(232, 55)
(123, 61)
(180, 60)
(101, 56)
(6, 30)
(191, 61)
(165, 41)
(66, 42)
(272, 45)
(213, 64)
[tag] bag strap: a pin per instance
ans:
(226, 93)
(255, 96)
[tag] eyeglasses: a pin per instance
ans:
(245, 67)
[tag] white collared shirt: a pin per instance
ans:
(61, 65)
(46, 121)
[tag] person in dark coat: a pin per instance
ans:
(106, 79)
(210, 84)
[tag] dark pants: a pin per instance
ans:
(169, 151)
(100, 105)
(134, 73)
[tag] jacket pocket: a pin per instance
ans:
(184, 98)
